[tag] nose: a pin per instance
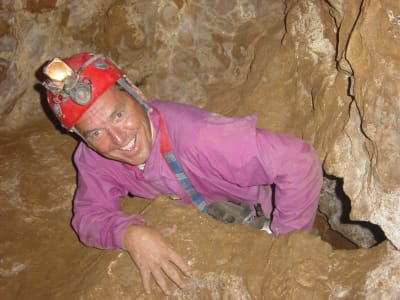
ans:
(117, 135)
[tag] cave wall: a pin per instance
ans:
(326, 71)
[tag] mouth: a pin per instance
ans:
(130, 145)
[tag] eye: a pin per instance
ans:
(94, 135)
(119, 116)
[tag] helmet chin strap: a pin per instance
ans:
(125, 83)
(76, 131)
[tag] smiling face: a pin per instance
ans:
(117, 127)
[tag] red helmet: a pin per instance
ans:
(76, 83)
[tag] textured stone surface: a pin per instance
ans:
(366, 152)
(41, 258)
(326, 71)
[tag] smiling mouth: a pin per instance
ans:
(130, 145)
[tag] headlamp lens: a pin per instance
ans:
(58, 70)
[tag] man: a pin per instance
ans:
(148, 148)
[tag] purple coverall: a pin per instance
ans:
(224, 158)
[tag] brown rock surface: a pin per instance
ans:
(41, 258)
(326, 71)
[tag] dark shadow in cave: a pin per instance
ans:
(377, 232)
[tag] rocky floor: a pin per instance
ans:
(41, 258)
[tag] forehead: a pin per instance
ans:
(107, 104)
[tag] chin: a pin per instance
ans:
(135, 162)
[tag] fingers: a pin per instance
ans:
(167, 267)
(171, 272)
(159, 278)
(154, 258)
(159, 270)
(145, 274)
(180, 263)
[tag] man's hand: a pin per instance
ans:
(153, 257)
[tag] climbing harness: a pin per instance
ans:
(225, 211)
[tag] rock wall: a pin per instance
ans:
(41, 257)
(365, 153)
(326, 71)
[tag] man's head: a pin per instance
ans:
(91, 96)
(117, 127)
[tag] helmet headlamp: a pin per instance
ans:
(58, 70)
(64, 81)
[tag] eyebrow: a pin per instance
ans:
(120, 106)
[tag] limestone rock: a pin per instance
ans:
(325, 71)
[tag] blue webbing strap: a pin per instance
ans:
(176, 168)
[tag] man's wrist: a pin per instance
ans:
(129, 231)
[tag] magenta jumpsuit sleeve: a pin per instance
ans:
(296, 171)
(98, 219)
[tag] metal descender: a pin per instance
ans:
(239, 213)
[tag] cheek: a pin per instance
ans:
(130, 123)
(105, 145)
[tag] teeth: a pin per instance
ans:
(130, 145)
